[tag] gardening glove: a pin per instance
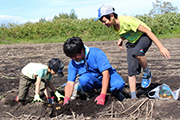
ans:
(58, 95)
(37, 98)
(100, 99)
(66, 101)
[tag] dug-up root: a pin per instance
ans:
(24, 117)
(143, 108)
(59, 117)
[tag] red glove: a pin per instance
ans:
(66, 101)
(100, 99)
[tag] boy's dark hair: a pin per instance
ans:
(55, 64)
(73, 46)
(108, 16)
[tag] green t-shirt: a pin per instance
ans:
(128, 28)
(42, 73)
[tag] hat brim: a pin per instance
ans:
(60, 74)
(97, 18)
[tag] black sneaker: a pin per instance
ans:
(119, 96)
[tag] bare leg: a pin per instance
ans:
(132, 83)
(142, 60)
(146, 80)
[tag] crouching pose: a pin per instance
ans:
(94, 71)
(41, 75)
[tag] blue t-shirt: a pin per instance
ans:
(97, 62)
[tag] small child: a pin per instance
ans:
(41, 75)
(139, 38)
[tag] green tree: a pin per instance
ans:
(71, 15)
(63, 16)
(55, 17)
(162, 7)
(42, 20)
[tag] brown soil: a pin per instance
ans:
(15, 57)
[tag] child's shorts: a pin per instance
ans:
(138, 48)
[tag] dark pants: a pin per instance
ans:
(138, 48)
(24, 84)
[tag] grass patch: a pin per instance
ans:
(57, 39)
(169, 36)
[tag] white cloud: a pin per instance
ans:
(33, 11)
(5, 19)
(48, 19)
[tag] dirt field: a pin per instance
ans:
(14, 57)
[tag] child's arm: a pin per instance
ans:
(68, 92)
(162, 49)
(51, 86)
(105, 83)
(120, 42)
(38, 81)
(36, 96)
(69, 88)
(58, 95)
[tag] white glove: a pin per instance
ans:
(37, 98)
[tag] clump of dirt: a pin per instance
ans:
(14, 57)
(79, 106)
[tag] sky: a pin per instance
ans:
(21, 11)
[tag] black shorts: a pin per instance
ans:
(138, 48)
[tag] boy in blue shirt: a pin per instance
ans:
(42, 75)
(94, 71)
(139, 38)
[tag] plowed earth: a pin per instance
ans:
(14, 57)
